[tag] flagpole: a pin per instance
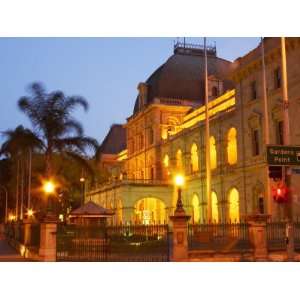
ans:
(287, 170)
(267, 129)
(29, 179)
(207, 140)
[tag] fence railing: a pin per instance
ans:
(114, 243)
(276, 235)
(219, 237)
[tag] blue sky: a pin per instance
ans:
(106, 71)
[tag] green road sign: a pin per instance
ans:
(278, 155)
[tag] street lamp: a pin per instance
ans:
(179, 182)
(30, 213)
(49, 187)
(82, 180)
(49, 190)
(6, 200)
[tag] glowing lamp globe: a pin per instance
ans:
(49, 187)
(179, 180)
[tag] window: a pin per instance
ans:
(166, 161)
(261, 205)
(277, 78)
(194, 158)
(231, 146)
(179, 159)
(214, 207)
(196, 209)
(234, 205)
(214, 91)
(151, 136)
(255, 142)
(253, 90)
(213, 153)
(279, 133)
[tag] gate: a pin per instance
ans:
(112, 243)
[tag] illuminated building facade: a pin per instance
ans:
(166, 135)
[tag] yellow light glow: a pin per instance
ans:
(11, 217)
(222, 103)
(232, 146)
(166, 161)
(179, 180)
(49, 187)
(234, 205)
(30, 212)
(213, 153)
(61, 217)
(214, 207)
(82, 179)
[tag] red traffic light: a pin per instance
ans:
(280, 193)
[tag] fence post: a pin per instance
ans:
(47, 250)
(27, 232)
(180, 235)
(258, 235)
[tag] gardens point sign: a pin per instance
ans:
(278, 155)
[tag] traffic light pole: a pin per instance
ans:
(287, 170)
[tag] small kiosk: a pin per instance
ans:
(90, 214)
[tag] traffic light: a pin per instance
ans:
(280, 193)
(275, 172)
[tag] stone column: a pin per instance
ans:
(180, 234)
(27, 232)
(47, 250)
(258, 235)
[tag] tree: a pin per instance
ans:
(54, 127)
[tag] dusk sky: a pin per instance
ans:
(106, 71)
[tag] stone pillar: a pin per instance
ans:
(27, 232)
(180, 234)
(47, 250)
(258, 235)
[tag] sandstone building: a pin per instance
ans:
(165, 135)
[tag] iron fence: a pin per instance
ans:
(219, 237)
(276, 235)
(113, 243)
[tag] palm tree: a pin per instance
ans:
(56, 131)
(18, 142)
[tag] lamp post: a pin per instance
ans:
(49, 190)
(82, 180)
(179, 182)
(6, 200)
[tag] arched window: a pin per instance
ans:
(213, 153)
(166, 161)
(231, 146)
(194, 158)
(234, 205)
(179, 159)
(214, 207)
(196, 209)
